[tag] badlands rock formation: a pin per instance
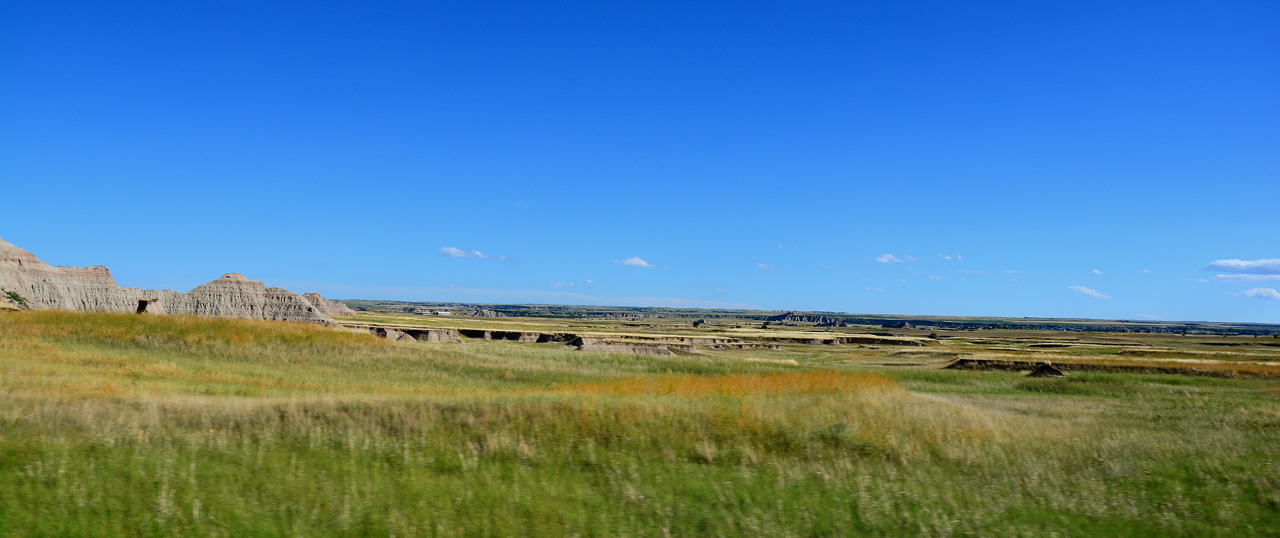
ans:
(327, 307)
(42, 286)
(822, 321)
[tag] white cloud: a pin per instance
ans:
(589, 281)
(562, 284)
(1256, 267)
(1089, 292)
(1263, 293)
(935, 277)
(874, 289)
(459, 253)
(1097, 272)
(1146, 270)
(480, 295)
(1014, 271)
(634, 261)
(1246, 278)
(949, 257)
(766, 266)
(888, 258)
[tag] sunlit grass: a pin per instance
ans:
(120, 425)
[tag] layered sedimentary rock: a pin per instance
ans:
(234, 296)
(822, 321)
(482, 313)
(416, 334)
(38, 285)
(609, 346)
(327, 307)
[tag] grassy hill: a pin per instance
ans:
(125, 425)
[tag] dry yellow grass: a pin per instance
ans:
(118, 425)
(774, 384)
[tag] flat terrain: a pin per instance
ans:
(123, 425)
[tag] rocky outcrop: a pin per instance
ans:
(418, 335)
(234, 296)
(609, 346)
(481, 313)
(327, 307)
(822, 321)
(93, 289)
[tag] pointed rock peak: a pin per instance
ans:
(6, 246)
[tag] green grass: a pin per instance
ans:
(15, 298)
(123, 425)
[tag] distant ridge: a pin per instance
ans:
(29, 283)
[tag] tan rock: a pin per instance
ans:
(93, 289)
(327, 307)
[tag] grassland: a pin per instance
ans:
(123, 425)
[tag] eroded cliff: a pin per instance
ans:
(27, 282)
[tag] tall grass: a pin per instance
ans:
(121, 425)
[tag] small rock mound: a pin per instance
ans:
(327, 307)
(1046, 370)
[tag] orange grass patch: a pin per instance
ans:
(816, 382)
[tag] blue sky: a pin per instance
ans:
(1071, 159)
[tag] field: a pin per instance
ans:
(124, 425)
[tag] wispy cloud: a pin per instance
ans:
(888, 258)
(634, 261)
(1246, 278)
(454, 252)
(569, 284)
(1097, 272)
(1255, 267)
(766, 266)
(1089, 292)
(949, 257)
(824, 266)
(1263, 293)
(1013, 271)
(478, 295)
(935, 277)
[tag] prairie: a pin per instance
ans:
(125, 425)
